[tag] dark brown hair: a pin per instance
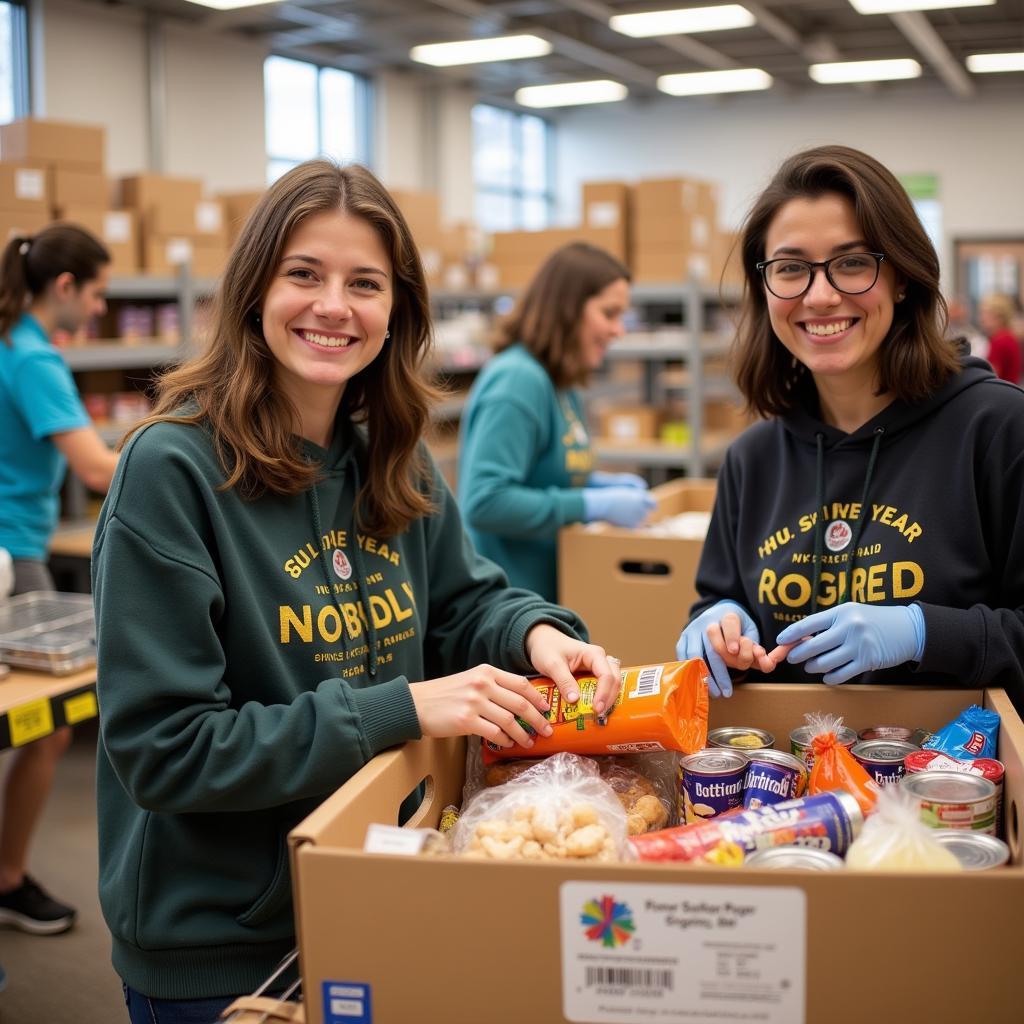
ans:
(229, 386)
(915, 358)
(30, 262)
(546, 318)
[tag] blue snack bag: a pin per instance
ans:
(973, 733)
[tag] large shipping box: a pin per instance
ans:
(393, 939)
(632, 589)
(72, 145)
(24, 187)
(673, 229)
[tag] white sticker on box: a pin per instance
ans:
(603, 214)
(179, 250)
(117, 226)
(699, 954)
(347, 1002)
(393, 839)
(208, 217)
(29, 184)
(700, 232)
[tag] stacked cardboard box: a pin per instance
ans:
(177, 224)
(726, 260)
(71, 158)
(237, 207)
(518, 255)
(24, 203)
(607, 206)
(422, 212)
(673, 230)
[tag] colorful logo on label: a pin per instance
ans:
(342, 566)
(838, 535)
(607, 922)
(976, 744)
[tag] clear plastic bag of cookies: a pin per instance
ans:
(560, 809)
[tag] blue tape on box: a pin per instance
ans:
(347, 1002)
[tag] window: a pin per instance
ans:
(512, 169)
(13, 62)
(313, 111)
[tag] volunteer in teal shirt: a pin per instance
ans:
(525, 464)
(283, 590)
(55, 279)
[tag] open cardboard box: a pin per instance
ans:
(464, 941)
(634, 590)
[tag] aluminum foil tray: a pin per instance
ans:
(53, 633)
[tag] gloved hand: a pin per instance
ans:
(623, 506)
(845, 641)
(734, 643)
(599, 479)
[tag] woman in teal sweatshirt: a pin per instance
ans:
(283, 589)
(525, 468)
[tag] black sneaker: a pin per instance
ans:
(32, 909)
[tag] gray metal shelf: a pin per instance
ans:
(119, 356)
(144, 286)
(676, 345)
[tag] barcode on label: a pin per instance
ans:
(648, 682)
(629, 977)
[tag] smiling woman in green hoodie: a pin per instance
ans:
(284, 589)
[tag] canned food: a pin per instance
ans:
(976, 851)
(800, 742)
(987, 767)
(784, 858)
(888, 732)
(740, 737)
(954, 800)
(883, 759)
(773, 776)
(826, 821)
(711, 782)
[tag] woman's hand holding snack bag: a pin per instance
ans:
(557, 656)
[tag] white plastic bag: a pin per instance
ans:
(560, 809)
(895, 838)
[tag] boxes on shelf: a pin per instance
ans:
(65, 143)
(673, 229)
(422, 212)
(627, 423)
(518, 255)
(164, 254)
(116, 229)
(21, 222)
(825, 931)
(726, 260)
(24, 186)
(72, 187)
(237, 207)
(607, 205)
(634, 589)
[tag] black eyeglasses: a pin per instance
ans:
(851, 273)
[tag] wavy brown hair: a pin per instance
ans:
(30, 262)
(915, 358)
(547, 317)
(229, 387)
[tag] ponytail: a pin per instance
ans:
(29, 264)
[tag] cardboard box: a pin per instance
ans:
(532, 248)
(237, 207)
(70, 187)
(422, 212)
(629, 423)
(607, 206)
(21, 222)
(69, 144)
(24, 187)
(143, 191)
(116, 229)
(164, 254)
(632, 589)
(670, 264)
(454, 939)
(727, 260)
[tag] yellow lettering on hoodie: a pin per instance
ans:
(289, 620)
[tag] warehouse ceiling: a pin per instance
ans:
(376, 35)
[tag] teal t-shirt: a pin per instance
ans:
(525, 457)
(38, 398)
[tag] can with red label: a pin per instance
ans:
(895, 732)
(954, 800)
(936, 761)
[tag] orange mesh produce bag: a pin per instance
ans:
(835, 767)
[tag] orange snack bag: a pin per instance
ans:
(835, 767)
(658, 707)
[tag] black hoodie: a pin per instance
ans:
(927, 496)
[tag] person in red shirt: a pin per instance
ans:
(995, 315)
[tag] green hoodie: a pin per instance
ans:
(252, 656)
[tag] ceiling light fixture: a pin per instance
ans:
(699, 83)
(897, 6)
(571, 94)
(480, 51)
(232, 5)
(682, 22)
(864, 71)
(985, 63)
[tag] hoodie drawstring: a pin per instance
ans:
(819, 532)
(357, 566)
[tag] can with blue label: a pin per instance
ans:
(711, 783)
(883, 759)
(773, 776)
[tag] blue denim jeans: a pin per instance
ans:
(144, 1010)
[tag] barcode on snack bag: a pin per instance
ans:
(629, 977)
(648, 682)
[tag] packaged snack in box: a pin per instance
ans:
(973, 733)
(835, 767)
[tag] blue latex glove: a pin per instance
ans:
(623, 506)
(693, 643)
(599, 479)
(853, 638)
